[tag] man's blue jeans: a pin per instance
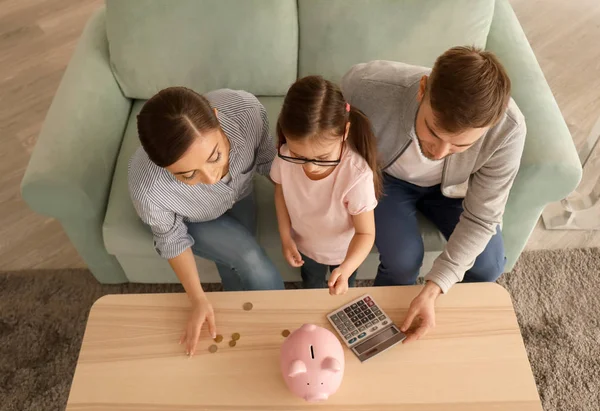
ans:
(399, 241)
(229, 241)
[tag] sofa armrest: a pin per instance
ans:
(550, 168)
(71, 168)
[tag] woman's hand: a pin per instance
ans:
(291, 254)
(202, 311)
(423, 307)
(338, 281)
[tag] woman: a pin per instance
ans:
(191, 182)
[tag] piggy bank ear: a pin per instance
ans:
(331, 364)
(296, 368)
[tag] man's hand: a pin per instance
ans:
(291, 254)
(338, 281)
(202, 311)
(423, 307)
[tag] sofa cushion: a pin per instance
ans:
(203, 44)
(336, 34)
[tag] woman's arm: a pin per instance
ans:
(185, 268)
(359, 249)
(290, 251)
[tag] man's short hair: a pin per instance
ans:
(467, 88)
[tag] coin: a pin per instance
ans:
(232, 343)
(218, 338)
(213, 349)
(285, 333)
(235, 336)
(248, 306)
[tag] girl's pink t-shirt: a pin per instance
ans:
(321, 211)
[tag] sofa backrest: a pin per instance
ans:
(262, 46)
(203, 45)
(336, 34)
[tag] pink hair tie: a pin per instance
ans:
(348, 107)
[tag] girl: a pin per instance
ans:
(327, 184)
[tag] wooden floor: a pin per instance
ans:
(37, 38)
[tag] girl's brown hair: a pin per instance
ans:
(171, 120)
(315, 107)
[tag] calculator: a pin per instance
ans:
(365, 328)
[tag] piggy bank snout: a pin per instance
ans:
(316, 397)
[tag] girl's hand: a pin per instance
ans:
(202, 311)
(338, 281)
(291, 254)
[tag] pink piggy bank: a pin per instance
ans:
(312, 362)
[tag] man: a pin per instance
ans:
(450, 141)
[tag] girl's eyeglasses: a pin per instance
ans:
(321, 163)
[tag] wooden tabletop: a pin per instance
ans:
(130, 359)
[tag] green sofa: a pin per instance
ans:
(130, 50)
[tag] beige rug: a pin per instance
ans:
(556, 296)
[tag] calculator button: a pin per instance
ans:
(361, 315)
(353, 319)
(348, 310)
(374, 328)
(368, 324)
(361, 303)
(365, 307)
(376, 311)
(375, 321)
(382, 317)
(364, 321)
(367, 298)
(371, 316)
(342, 315)
(355, 332)
(354, 306)
(384, 323)
(362, 335)
(370, 303)
(347, 336)
(336, 320)
(352, 340)
(357, 311)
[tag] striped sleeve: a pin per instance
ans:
(266, 148)
(171, 236)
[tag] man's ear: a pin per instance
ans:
(422, 88)
(347, 131)
(216, 112)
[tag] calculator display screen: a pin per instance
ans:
(375, 340)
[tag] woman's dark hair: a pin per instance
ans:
(314, 107)
(171, 120)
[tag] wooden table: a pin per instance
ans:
(130, 359)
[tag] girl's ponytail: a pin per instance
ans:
(362, 140)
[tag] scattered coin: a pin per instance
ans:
(235, 336)
(285, 333)
(232, 343)
(248, 306)
(218, 338)
(213, 348)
